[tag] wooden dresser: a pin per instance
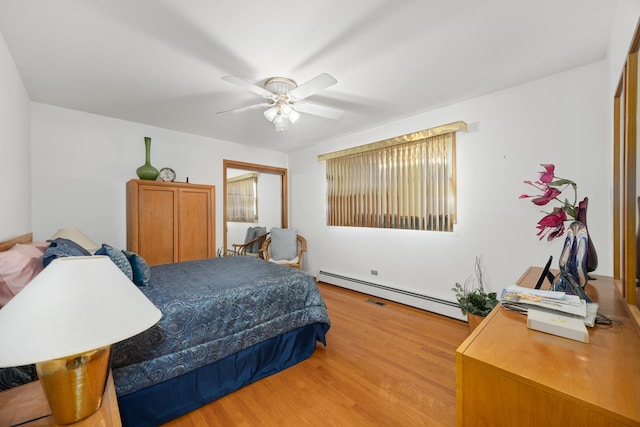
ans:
(170, 222)
(509, 375)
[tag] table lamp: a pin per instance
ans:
(65, 321)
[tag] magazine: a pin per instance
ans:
(558, 301)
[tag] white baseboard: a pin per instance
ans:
(424, 302)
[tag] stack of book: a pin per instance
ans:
(552, 312)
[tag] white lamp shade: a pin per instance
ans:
(75, 304)
(77, 236)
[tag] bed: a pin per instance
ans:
(227, 322)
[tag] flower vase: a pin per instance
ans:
(147, 171)
(592, 256)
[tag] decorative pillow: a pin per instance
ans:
(61, 247)
(77, 236)
(140, 268)
(251, 234)
(18, 266)
(118, 259)
(257, 232)
(283, 243)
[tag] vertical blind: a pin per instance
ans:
(406, 186)
(242, 198)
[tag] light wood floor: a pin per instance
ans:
(388, 365)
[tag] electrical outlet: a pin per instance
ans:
(374, 272)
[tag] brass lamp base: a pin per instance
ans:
(74, 385)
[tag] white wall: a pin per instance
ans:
(15, 192)
(624, 25)
(559, 120)
(81, 163)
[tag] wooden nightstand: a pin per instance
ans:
(27, 402)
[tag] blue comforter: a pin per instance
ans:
(213, 308)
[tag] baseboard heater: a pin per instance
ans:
(424, 302)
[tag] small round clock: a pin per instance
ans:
(167, 175)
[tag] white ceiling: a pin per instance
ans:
(160, 62)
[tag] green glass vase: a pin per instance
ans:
(147, 171)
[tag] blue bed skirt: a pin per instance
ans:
(173, 398)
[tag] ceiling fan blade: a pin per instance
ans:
(247, 108)
(239, 81)
(314, 85)
(318, 110)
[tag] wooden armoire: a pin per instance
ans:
(170, 222)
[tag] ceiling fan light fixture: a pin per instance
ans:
(294, 116)
(281, 115)
(271, 113)
(281, 122)
(285, 109)
(279, 85)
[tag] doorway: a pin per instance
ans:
(272, 200)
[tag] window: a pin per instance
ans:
(405, 183)
(242, 198)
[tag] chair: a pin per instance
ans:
(267, 250)
(253, 242)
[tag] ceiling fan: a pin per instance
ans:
(285, 99)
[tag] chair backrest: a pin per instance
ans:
(251, 238)
(296, 262)
(244, 248)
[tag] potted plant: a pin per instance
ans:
(474, 301)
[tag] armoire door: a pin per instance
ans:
(158, 224)
(195, 223)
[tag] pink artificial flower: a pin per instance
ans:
(549, 173)
(551, 187)
(552, 225)
(550, 194)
